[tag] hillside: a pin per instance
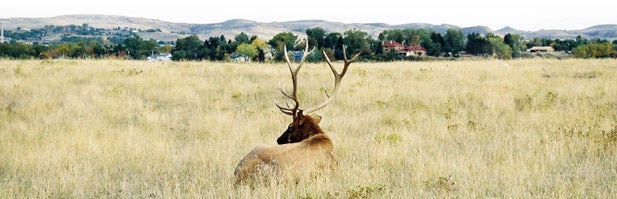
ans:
(230, 28)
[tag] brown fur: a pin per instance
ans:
(290, 161)
(302, 127)
(303, 148)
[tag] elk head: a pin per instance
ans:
(303, 125)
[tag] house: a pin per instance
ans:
(296, 55)
(235, 57)
(392, 45)
(268, 54)
(160, 57)
(541, 49)
(417, 51)
(405, 51)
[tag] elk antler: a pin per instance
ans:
(294, 78)
(337, 79)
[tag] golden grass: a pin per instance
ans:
(470, 129)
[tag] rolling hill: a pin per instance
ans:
(230, 28)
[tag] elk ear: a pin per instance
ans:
(317, 119)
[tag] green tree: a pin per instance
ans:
(277, 42)
(17, 50)
(594, 49)
(503, 51)
(64, 50)
(516, 43)
(260, 44)
(563, 45)
(316, 37)
(356, 41)
(133, 46)
(333, 40)
(580, 41)
(242, 38)
(500, 49)
(188, 48)
(215, 48)
(435, 45)
(247, 50)
(138, 48)
(150, 46)
(536, 41)
(395, 35)
(285, 38)
(98, 49)
(477, 44)
(454, 41)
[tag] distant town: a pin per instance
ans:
(86, 41)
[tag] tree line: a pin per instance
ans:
(219, 48)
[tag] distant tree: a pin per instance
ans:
(333, 40)
(516, 43)
(395, 35)
(435, 45)
(477, 44)
(509, 39)
(138, 48)
(188, 48)
(247, 50)
(261, 55)
(98, 50)
(64, 50)
(454, 41)
(381, 37)
(132, 45)
(536, 41)
(242, 38)
(416, 40)
(356, 41)
(316, 37)
(216, 48)
(437, 38)
(563, 45)
(580, 41)
(260, 44)
(500, 49)
(282, 39)
(149, 47)
(595, 49)
(166, 48)
(376, 47)
(17, 50)
(581, 52)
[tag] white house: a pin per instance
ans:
(160, 57)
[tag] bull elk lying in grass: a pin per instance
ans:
(304, 149)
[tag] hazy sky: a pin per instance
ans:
(522, 14)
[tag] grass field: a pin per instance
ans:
(538, 128)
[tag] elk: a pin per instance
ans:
(304, 149)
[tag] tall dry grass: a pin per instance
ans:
(470, 129)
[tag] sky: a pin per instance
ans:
(530, 15)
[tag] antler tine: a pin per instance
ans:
(294, 78)
(337, 79)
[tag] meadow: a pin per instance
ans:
(536, 128)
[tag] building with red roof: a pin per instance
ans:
(407, 51)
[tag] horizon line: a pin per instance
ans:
(314, 19)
